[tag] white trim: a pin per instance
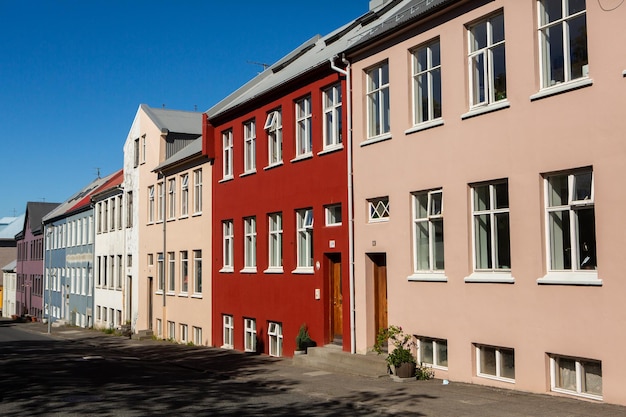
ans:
(274, 270)
(274, 165)
(490, 277)
(376, 139)
(245, 174)
(562, 88)
(477, 111)
(302, 157)
(304, 270)
(249, 270)
(226, 179)
(331, 149)
(227, 270)
(427, 277)
(196, 295)
(424, 125)
(571, 278)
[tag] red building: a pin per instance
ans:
(280, 211)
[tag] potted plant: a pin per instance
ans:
(303, 340)
(400, 360)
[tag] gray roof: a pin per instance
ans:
(35, 212)
(9, 231)
(10, 267)
(312, 54)
(176, 121)
(193, 149)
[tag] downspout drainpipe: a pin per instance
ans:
(346, 72)
(163, 264)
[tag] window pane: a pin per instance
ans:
(575, 6)
(481, 198)
(592, 377)
(374, 122)
(438, 247)
(436, 81)
(442, 353)
(478, 78)
(479, 36)
(421, 62)
(435, 204)
(421, 230)
(482, 225)
(497, 28)
(421, 206)
(560, 249)
(498, 64)
(578, 46)
(501, 195)
(488, 360)
(386, 111)
(427, 351)
(384, 76)
(582, 186)
(422, 97)
(435, 54)
(503, 249)
(552, 10)
(586, 238)
(566, 374)
(557, 191)
(553, 55)
(507, 363)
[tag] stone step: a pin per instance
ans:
(332, 358)
(143, 335)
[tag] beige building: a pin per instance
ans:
(488, 152)
(165, 170)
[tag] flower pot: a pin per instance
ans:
(405, 370)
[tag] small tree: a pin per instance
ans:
(303, 339)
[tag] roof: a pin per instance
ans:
(10, 267)
(115, 181)
(176, 121)
(314, 53)
(35, 213)
(8, 231)
(193, 149)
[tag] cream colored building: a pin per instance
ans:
(488, 157)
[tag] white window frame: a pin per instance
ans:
(580, 390)
(197, 191)
(184, 271)
(274, 128)
(171, 272)
(427, 219)
(304, 238)
(333, 117)
(249, 338)
(160, 202)
(197, 272)
(227, 153)
(331, 217)
(499, 363)
(304, 121)
(184, 195)
(228, 329)
(435, 345)
(378, 209)
(576, 274)
(184, 333)
(275, 338)
(171, 194)
(160, 272)
(544, 54)
(228, 251)
(171, 330)
(378, 101)
(197, 336)
(249, 148)
(425, 77)
(493, 272)
(249, 244)
(275, 243)
(488, 89)
(150, 204)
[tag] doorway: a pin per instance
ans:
(379, 273)
(336, 298)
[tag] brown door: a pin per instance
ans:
(379, 262)
(336, 298)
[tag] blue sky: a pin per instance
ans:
(73, 73)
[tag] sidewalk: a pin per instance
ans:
(381, 396)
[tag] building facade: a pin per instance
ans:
(500, 120)
(9, 279)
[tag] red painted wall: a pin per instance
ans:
(321, 180)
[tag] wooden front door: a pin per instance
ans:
(336, 298)
(379, 262)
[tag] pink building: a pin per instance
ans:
(488, 153)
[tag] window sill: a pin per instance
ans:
(170, 293)
(477, 111)
(196, 214)
(577, 394)
(230, 347)
(333, 224)
(374, 221)
(248, 270)
(490, 278)
(226, 179)
(186, 216)
(245, 174)
(371, 141)
(227, 270)
(274, 165)
(159, 292)
(331, 149)
(274, 270)
(302, 157)
(571, 278)
(196, 295)
(428, 277)
(562, 88)
(183, 294)
(496, 378)
(424, 126)
(303, 270)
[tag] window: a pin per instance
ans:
(427, 83)
(250, 335)
(576, 376)
(495, 362)
(304, 226)
(197, 336)
(197, 270)
(250, 243)
(184, 271)
(333, 123)
(160, 279)
(136, 153)
(433, 352)
(171, 262)
(276, 241)
(119, 272)
(428, 231)
(274, 128)
(160, 202)
(275, 334)
(227, 255)
(378, 111)
(378, 209)
(171, 330)
(184, 333)
(129, 209)
(227, 332)
(151, 204)
(227, 144)
(197, 191)
(184, 195)
(490, 203)
(171, 198)
(333, 215)
(143, 148)
(487, 68)
(570, 219)
(249, 149)
(159, 327)
(562, 41)
(304, 139)
(119, 213)
(105, 226)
